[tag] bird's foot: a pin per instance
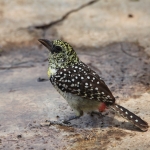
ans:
(96, 113)
(61, 123)
(67, 121)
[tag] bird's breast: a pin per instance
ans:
(51, 71)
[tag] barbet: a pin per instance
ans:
(82, 87)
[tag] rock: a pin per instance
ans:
(18, 18)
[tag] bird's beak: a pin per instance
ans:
(46, 43)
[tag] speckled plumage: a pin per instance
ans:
(83, 89)
(80, 80)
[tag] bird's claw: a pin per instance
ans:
(99, 114)
(66, 122)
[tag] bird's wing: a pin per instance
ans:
(82, 81)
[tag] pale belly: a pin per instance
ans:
(78, 103)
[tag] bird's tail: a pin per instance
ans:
(137, 121)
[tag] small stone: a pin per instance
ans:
(19, 136)
(44, 124)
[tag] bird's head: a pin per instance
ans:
(61, 53)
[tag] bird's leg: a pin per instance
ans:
(79, 114)
(70, 118)
(63, 122)
(96, 113)
(66, 122)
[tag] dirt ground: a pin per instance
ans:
(112, 38)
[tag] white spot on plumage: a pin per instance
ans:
(86, 83)
(82, 77)
(126, 112)
(98, 82)
(88, 77)
(96, 88)
(131, 116)
(72, 85)
(121, 109)
(136, 120)
(64, 69)
(85, 95)
(117, 106)
(74, 70)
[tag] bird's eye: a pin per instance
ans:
(57, 49)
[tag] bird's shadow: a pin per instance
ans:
(102, 122)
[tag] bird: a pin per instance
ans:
(82, 87)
